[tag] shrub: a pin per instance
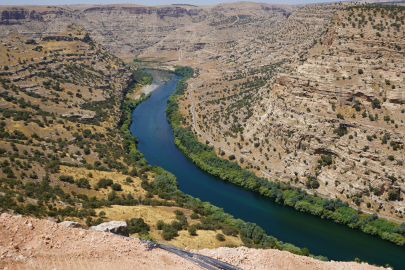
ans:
(104, 183)
(376, 104)
(192, 230)
(116, 187)
(83, 182)
(220, 237)
(88, 221)
(169, 232)
(177, 225)
(360, 71)
(230, 230)
(194, 216)
(66, 178)
(160, 225)
(137, 225)
(97, 222)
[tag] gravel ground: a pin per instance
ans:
(147, 89)
(27, 243)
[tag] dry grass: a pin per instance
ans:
(134, 188)
(151, 215)
(204, 239)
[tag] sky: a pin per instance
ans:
(146, 2)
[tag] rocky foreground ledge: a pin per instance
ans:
(28, 243)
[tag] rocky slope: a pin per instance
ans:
(61, 153)
(346, 101)
(31, 243)
(333, 92)
(127, 29)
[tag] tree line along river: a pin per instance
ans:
(320, 236)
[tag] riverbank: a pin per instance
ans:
(147, 89)
(347, 241)
(150, 125)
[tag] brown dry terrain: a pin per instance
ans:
(60, 100)
(280, 85)
(284, 114)
(38, 244)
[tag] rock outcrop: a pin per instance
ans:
(116, 227)
(71, 224)
(128, 29)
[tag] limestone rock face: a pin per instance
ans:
(71, 224)
(128, 29)
(116, 227)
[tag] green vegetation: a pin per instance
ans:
(137, 225)
(186, 72)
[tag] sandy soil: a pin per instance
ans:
(147, 89)
(27, 243)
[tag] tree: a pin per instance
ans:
(102, 214)
(360, 71)
(231, 157)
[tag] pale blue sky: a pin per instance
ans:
(144, 2)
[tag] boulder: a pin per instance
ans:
(116, 227)
(71, 224)
(51, 219)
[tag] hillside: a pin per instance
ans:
(62, 156)
(125, 30)
(311, 94)
(329, 118)
(41, 244)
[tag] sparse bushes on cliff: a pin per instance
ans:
(206, 158)
(376, 104)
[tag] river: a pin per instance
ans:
(321, 237)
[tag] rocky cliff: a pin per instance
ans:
(127, 29)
